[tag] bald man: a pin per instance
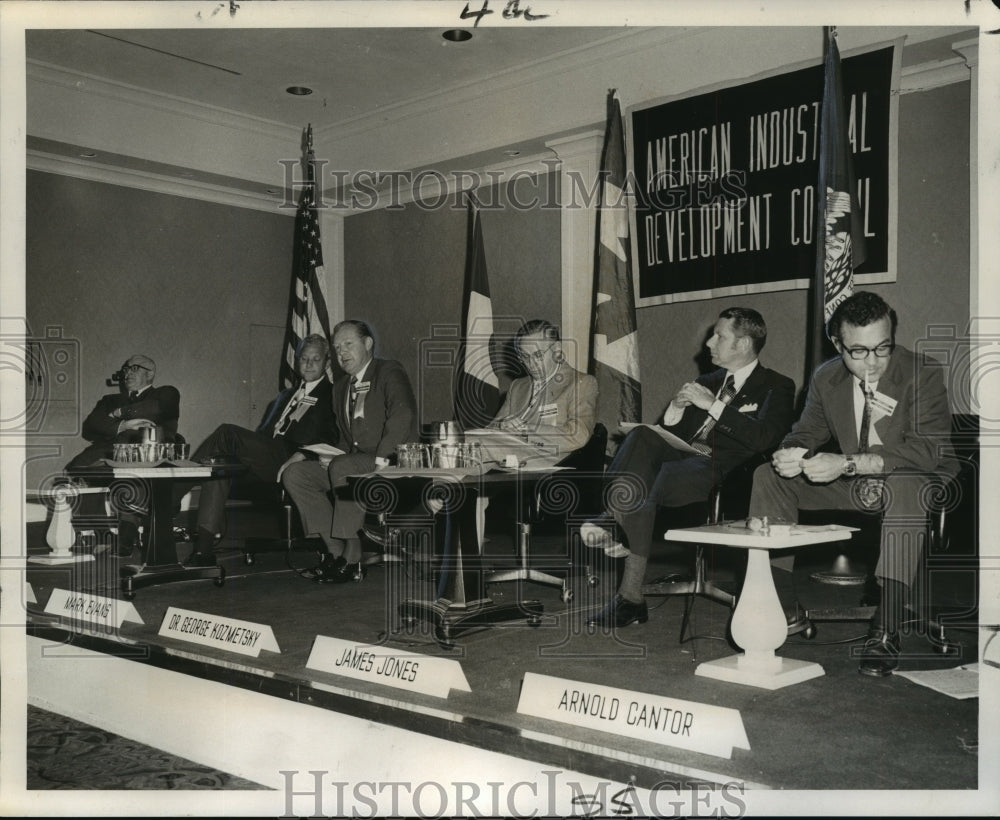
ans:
(120, 417)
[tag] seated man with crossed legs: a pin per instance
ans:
(727, 416)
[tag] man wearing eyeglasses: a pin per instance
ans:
(888, 413)
(553, 408)
(120, 417)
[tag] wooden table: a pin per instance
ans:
(758, 626)
(461, 602)
(160, 564)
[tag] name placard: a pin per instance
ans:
(699, 727)
(97, 610)
(391, 667)
(231, 634)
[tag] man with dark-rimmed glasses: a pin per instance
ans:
(887, 413)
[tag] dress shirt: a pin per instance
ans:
(303, 390)
(674, 413)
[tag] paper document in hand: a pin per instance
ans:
(327, 450)
(675, 442)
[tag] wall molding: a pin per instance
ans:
(146, 181)
(925, 76)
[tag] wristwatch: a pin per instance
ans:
(850, 466)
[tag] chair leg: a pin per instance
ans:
(525, 572)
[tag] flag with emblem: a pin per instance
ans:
(307, 311)
(477, 388)
(840, 236)
(614, 352)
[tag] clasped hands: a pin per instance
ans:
(694, 393)
(821, 468)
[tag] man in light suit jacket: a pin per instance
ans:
(553, 408)
(887, 453)
(729, 415)
(301, 415)
(376, 411)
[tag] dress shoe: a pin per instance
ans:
(881, 653)
(341, 572)
(200, 559)
(597, 537)
(620, 612)
(327, 564)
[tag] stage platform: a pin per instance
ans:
(838, 731)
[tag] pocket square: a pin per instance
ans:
(748, 408)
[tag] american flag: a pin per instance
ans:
(307, 311)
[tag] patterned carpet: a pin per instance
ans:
(66, 754)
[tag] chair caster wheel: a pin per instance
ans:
(809, 632)
(128, 596)
(249, 559)
(593, 580)
(567, 596)
(221, 579)
(534, 621)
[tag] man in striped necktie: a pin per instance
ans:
(725, 417)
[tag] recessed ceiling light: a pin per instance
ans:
(512, 153)
(88, 154)
(271, 190)
(457, 35)
(299, 90)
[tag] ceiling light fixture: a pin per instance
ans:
(512, 153)
(299, 90)
(87, 154)
(457, 35)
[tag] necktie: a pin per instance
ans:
(866, 420)
(867, 488)
(282, 426)
(352, 403)
(699, 442)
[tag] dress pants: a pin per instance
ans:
(647, 473)
(262, 454)
(904, 522)
(325, 504)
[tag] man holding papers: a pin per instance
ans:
(376, 412)
(888, 412)
(298, 416)
(715, 423)
(547, 414)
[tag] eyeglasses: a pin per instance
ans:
(538, 355)
(881, 351)
(132, 368)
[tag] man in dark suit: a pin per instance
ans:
(727, 416)
(889, 416)
(376, 412)
(301, 415)
(121, 417)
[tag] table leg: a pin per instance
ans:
(461, 602)
(758, 627)
(161, 565)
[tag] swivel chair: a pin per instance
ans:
(581, 467)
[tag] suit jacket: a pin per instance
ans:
(388, 414)
(917, 434)
(564, 417)
(161, 405)
(318, 423)
(753, 422)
